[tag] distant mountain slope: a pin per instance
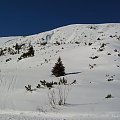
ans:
(70, 33)
(90, 54)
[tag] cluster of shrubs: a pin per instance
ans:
(42, 84)
(43, 43)
(102, 47)
(1, 52)
(18, 47)
(45, 84)
(7, 60)
(95, 57)
(7, 50)
(49, 85)
(30, 53)
(109, 96)
(112, 36)
(92, 27)
(117, 52)
(92, 66)
(57, 43)
(12, 51)
(110, 78)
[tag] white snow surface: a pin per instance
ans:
(86, 99)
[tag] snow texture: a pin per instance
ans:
(91, 56)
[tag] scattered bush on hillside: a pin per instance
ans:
(43, 43)
(89, 44)
(112, 36)
(58, 91)
(28, 88)
(11, 51)
(98, 39)
(30, 53)
(110, 79)
(77, 42)
(103, 45)
(95, 57)
(7, 60)
(51, 84)
(57, 43)
(108, 53)
(109, 96)
(46, 61)
(118, 38)
(118, 66)
(17, 47)
(92, 27)
(62, 81)
(94, 48)
(100, 49)
(8, 50)
(58, 70)
(44, 83)
(1, 52)
(115, 50)
(38, 86)
(92, 66)
(119, 54)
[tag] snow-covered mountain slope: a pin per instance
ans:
(91, 56)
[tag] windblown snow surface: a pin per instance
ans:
(78, 45)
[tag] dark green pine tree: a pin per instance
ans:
(31, 51)
(58, 70)
(17, 47)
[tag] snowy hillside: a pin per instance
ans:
(91, 56)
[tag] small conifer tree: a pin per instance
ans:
(31, 51)
(58, 70)
(17, 47)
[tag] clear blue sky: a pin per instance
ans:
(25, 17)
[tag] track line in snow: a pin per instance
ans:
(28, 115)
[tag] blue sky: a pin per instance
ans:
(25, 17)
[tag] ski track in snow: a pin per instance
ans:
(20, 115)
